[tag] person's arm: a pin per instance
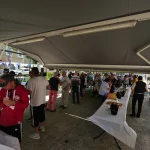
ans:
(24, 100)
(48, 87)
(79, 81)
(47, 84)
(133, 86)
(1, 98)
(62, 82)
(108, 86)
(29, 87)
(58, 80)
(21, 104)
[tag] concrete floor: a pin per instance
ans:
(64, 132)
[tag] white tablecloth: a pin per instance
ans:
(116, 125)
(3, 147)
(11, 143)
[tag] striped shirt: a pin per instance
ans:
(75, 80)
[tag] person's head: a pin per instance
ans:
(7, 82)
(140, 78)
(35, 71)
(76, 73)
(55, 74)
(112, 76)
(58, 75)
(6, 71)
(30, 74)
(107, 80)
(64, 73)
(106, 75)
(12, 73)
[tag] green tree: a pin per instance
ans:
(31, 59)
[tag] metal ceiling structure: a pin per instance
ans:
(103, 34)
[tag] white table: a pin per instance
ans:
(116, 125)
(3, 147)
(8, 142)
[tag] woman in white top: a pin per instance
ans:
(104, 89)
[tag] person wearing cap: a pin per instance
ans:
(13, 102)
(6, 71)
(104, 89)
(53, 82)
(37, 87)
(139, 88)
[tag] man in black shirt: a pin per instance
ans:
(53, 82)
(113, 82)
(70, 75)
(139, 88)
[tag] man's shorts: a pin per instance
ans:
(15, 131)
(38, 114)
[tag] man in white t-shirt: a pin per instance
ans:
(65, 83)
(104, 89)
(37, 87)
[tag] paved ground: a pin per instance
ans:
(64, 132)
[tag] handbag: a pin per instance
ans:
(114, 109)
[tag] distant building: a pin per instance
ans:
(14, 60)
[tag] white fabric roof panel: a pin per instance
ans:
(19, 18)
(117, 47)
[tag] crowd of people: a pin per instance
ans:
(14, 97)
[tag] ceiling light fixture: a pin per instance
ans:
(29, 41)
(108, 27)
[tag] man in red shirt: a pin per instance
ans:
(13, 102)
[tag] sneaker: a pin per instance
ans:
(35, 136)
(42, 129)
